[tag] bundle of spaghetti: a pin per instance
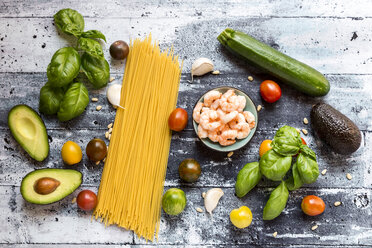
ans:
(134, 172)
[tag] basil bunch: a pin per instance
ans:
(63, 94)
(274, 165)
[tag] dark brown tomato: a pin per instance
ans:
(189, 170)
(119, 50)
(177, 120)
(96, 150)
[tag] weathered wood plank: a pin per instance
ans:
(350, 94)
(348, 224)
(218, 169)
(179, 9)
(309, 40)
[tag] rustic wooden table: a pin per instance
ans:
(332, 36)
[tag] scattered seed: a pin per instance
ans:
(110, 130)
(203, 194)
(94, 99)
(216, 72)
(259, 107)
(104, 160)
(306, 121)
(250, 78)
(324, 172)
(73, 200)
(314, 227)
(112, 79)
(199, 210)
(298, 130)
(337, 203)
(274, 234)
(109, 137)
(110, 125)
(97, 163)
(230, 154)
(304, 131)
(349, 176)
(189, 81)
(106, 135)
(99, 107)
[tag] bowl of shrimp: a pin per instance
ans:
(225, 119)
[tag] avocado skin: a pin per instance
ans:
(335, 129)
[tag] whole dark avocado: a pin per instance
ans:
(335, 129)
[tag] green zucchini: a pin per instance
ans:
(293, 72)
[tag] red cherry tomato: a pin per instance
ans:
(178, 119)
(312, 205)
(303, 141)
(86, 200)
(270, 91)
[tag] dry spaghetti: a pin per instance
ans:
(134, 172)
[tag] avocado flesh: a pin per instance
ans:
(335, 129)
(29, 131)
(69, 180)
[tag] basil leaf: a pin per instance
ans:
(69, 21)
(97, 70)
(90, 46)
(247, 178)
(294, 182)
(50, 99)
(307, 168)
(274, 166)
(93, 34)
(276, 203)
(287, 141)
(307, 151)
(63, 67)
(74, 102)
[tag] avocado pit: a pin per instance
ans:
(46, 185)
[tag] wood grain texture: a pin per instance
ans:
(334, 37)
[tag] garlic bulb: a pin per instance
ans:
(211, 199)
(201, 66)
(113, 94)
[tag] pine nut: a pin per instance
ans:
(348, 176)
(304, 131)
(199, 210)
(230, 154)
(324, 172)
(99, 107)
(250, 78)
(94, 99)
(306, 121)
(337, 203)
(110, 125)
(216, 72)
(274, 234)
(314, 227)
(259, 107)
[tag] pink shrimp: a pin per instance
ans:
(202, 133)
(242, 101)
(205, 122)
(238, 122)
(250, 119)
(226, 142)
(231, 104)
(196, 112)
(210, 97)
(228, 117)
(216, 104)
(214, 135)
(227, 94)
(244, 131)
(229, 134)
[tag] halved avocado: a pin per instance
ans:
(29, 130)
(68, 181)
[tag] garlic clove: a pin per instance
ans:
(113, 94)
(212, 198)
(201, 66)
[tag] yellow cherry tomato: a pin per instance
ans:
(265, 146)
(241, 217)
(71, 153)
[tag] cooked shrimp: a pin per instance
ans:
(220, 113)
(202, 133)
(231, 104)
(227, 95)
(228, 117)
(216, 104)
(213, 114)
(196, 112)
(238, 123)
(229, 134)
(242, 101)
(250, 119)
(214, 135)
(244, 131)
(205, 122)
(226, 142)
(210, 97)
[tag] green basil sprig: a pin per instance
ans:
(74, 102)
(294, 181)
(94, 34)
(274, 166)
(90, 46)
(276, 203)
(287, 141)
(307, 166)
(248, 177)
(63, 67)
(50, 99)
(96, 69)
(69, 21)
